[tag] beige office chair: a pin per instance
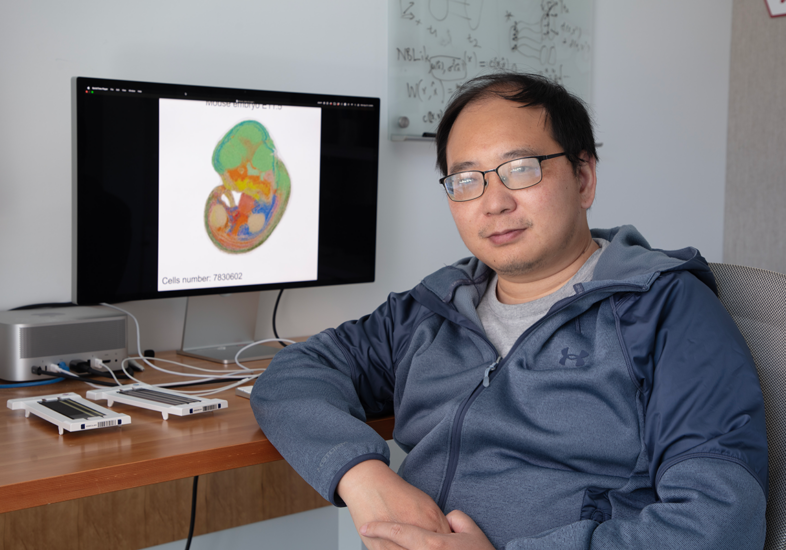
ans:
(756, 300)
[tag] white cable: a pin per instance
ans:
(136, 323)
(252, 344)
(69, 375)
(54, 367)
(172, 385)
(218, 374)
(96, 362)
(222, 372)
(237, 362)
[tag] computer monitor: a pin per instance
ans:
(194, 191)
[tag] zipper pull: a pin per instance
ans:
(490, 368)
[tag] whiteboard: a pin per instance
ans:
(436, 45)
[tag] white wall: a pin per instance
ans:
(754, 224)
(306, 46)
(659, 98)
(661, 88)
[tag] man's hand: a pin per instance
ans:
(466, 534)
(374, 493)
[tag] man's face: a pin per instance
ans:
(527, 234)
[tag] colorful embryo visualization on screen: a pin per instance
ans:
(243, 211)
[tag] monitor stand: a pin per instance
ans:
(218, 326)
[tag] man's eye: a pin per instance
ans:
(521, 168)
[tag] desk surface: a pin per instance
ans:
(38, 466)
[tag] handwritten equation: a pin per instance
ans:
(437, 45)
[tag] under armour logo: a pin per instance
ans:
(573, 357)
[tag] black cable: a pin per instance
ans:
(193, 512)
(71, 376)
(95, 372)
(275, 309)
(96, 382)
(175, 385)
(47, 305)
(68, 375)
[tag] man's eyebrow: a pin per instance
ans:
(461, 167)
(510, 155)
(519, 153)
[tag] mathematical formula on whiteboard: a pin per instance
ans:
(437, 45)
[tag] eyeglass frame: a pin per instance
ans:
(539, 158)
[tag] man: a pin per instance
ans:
(562, 388)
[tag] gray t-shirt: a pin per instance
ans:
(504, 323)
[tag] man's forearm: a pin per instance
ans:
(373, 492)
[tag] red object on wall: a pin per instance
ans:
(776, 7)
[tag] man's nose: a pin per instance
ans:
(498, 198)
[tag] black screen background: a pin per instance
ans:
(116, 189)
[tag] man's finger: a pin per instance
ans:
(461, 523)
(403, 534)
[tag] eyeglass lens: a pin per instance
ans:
(515, 174)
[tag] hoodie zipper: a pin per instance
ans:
(490, 368)
(455, 434)
(488, 374)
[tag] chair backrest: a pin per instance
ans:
(756, 300)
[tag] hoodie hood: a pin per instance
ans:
(629, 259)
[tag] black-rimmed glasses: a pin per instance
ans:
(514, 174)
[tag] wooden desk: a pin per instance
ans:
(38, 466)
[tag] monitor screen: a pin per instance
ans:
(189, 190)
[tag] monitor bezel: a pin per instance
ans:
(86, 263)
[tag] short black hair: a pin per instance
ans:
(567, 115)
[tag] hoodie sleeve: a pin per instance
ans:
(313, 399)
(704, 428)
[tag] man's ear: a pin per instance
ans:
(587, 179)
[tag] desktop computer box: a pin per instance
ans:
(36, 337)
